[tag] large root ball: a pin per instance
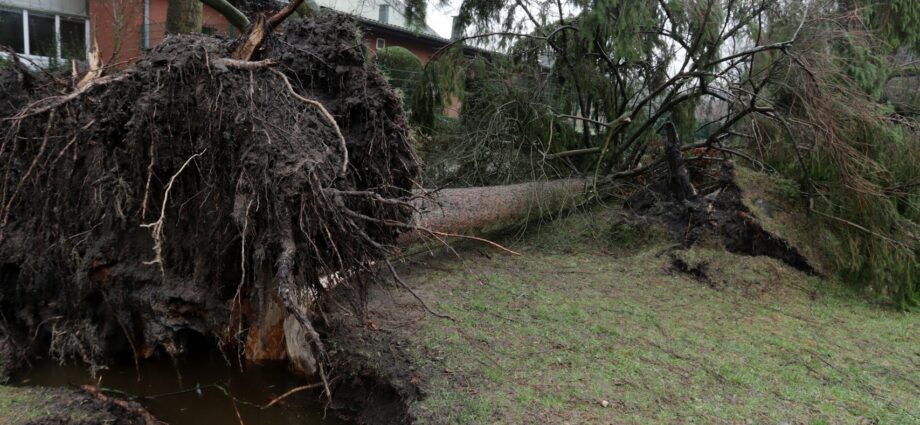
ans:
(189, 197)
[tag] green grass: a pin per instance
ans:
(778, 205)
(18, 405)
(46, 405)
(546, 337)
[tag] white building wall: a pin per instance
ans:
(66, 7)
(370, 9)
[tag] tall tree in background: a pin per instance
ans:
(183, 16)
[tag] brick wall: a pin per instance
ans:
(422, 50)
(119, 29)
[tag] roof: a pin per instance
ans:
(370, 10)
(400, 7)
(434, 40)
(431, 37)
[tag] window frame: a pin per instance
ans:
(45, 61)
(381, 43)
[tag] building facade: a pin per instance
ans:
(53, 32)
(56, 31)
(384, 24)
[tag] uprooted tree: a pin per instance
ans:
(787, 86)
(210, 190)
(217, 189)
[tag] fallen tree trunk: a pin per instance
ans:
(440, 215)
(482, 210)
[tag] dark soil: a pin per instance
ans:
(165, 204)
(716, 213)
(698, 271)
(378, 381)
(253, 7)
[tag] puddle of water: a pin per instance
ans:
(192, 392)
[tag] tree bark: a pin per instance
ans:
(481, 210)
(678, 176)
(470, 211)
(183, 17)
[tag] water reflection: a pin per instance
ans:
(197, 391)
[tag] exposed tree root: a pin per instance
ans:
(135, 410)
(716, 213)
(272, 163)
(326, 115)
(403, 284)
(293, 391)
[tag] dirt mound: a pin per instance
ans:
(716, 213)
(180, 199)
(379, 379)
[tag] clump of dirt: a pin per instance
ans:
(700, 271)
(254, 7)
(716, 213)
(173, 200)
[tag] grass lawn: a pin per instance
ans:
(21, 406)
(581, 330)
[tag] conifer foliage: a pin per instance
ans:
(793, 86)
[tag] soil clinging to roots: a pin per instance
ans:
(183, 196)
(715, 213)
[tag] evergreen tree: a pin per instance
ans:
(800, 80)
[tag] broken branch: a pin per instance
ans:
(292, 392)
(283, 14)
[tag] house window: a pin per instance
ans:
(11, 30)
(43, 36)
(381, 43)
(384, 14)
(145, 27)
(73, 38)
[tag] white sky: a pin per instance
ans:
(439, 17)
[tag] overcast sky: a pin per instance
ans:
(439, 17)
